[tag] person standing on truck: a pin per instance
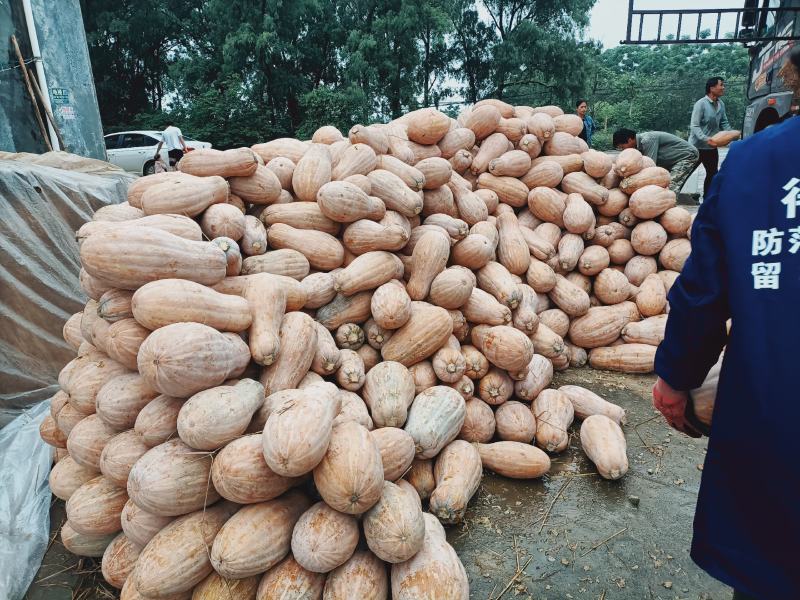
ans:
(709, 117)
(669, 151)
(745, 265)
(589, 127)
(172, 138)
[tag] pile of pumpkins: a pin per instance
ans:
(297, 359)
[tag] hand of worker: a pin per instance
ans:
(672, 404)
(712, 143)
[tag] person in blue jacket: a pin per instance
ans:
(744, 266)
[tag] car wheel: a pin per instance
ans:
(149, 167)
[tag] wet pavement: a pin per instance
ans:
(575, 535)
(569, 535)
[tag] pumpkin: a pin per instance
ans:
(297, 340)
(647, 331)
(289, 580)
(294, 443)
(115, 305)
(119, 455)
(586, 403)
(458, 473)
(538, 376)
(121, 398)
(425, 332)
(67, 476)
(128, 257)
(388, 392)
(515, 422)
(87, 440)
(514, 459)
(434, 420)
(647, 176)
(213, 417)
(95, 507)
(141, 526)
(177, 558)
(350, 476)
(257, 537)
(368, 272)
(601, 325)
(119, 560)
(172, 479)
(300, 215)
(604, 443)
(205, 162)
(157, 421)
(83, 544)
(363, 576)
(394, 527)
(240, 473)
(168, 301)
(626, 358)
(434, 572)
(503, 346)
(479, 422)
(322, 250)
(554, 414)
(652, 297)
(215, 586)
(183, 196)
(184, 358)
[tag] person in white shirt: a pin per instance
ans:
(172, 138)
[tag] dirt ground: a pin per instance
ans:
(569, 535)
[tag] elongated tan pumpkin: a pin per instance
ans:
(241, 474)
(458, 473)
(397, 451)
(185, 358)
(119, 560)
(503, 346)
(215, 416)
(425, 331)
(394, 527)
(257, 537)
(350, 476)
(363, 576)
(67, 476)
(388, 392)
(85, 545)
(188, 197)
(87, 440)
(177, 558)
(141, 526)
(205, 162)
(296, 437)
(130, 257)
(323, 538)
(168, 301)
(434, 572)
(435, 419)
(96, 506)
(626, 358)
(172, 479)
(554, 415)
(158, 420)
(119, 455)
(215, 586)
(289, 580)
(604, 443)
(514, 459)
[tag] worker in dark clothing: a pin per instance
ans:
(677, 156)
(745, 265)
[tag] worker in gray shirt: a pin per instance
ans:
(708, 118)
(669, 151)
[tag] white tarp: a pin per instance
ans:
(41, 207)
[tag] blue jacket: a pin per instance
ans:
(589, 128)
(745, 265)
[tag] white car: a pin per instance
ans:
(133, 151)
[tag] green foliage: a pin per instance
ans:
(235, 72)
(653, 88)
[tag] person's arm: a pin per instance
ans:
(158, 150)
(695, 124)
(650, 147)
(180, 137)
(698, 301)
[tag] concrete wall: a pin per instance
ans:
(65, 58)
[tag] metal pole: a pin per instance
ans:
(37, 58)
(30, 92)
(47, 111)
(630, 18)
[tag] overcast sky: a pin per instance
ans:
(610, 17)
